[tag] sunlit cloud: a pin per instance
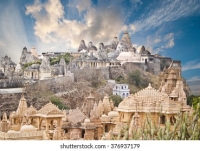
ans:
(53, 28)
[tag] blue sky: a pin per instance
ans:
(170, 27)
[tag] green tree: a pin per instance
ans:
(190, 100)
(134, 78)
(195, 102)
(30, 63)
(55, 100)
(116, 99)
(56, 60)
(120, 79)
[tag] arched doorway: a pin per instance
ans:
(53, 124)
(66, 130)
(106, 128)
(82, 133)
(162, 119)
(42, 125)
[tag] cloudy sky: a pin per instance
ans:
(170, 27)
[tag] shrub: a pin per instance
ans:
(30, 63)
(55, 100)
(134, 78)
(56, 60)
(116, 99)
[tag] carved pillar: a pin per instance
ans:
(47, 125)
(38, 123)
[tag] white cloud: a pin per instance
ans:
(54, 29)
(170, 43)
(157, 40)
(195, 64)
(168, 36)
(195, 78)
(160, 43)
(167, 11)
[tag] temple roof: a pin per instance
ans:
(144, 98)
(49, 110)
(76, 116)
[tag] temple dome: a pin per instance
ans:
(11, 131)
(104, 115)
(87, 120)
(27, 128)
(145, 97)
(113, 114)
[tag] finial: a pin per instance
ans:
(4, 117)
(149, 85)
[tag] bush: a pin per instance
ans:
(134, 78)
(120, 79)
(116, 99)
(55, 100)
(56, 60)
(30, 63)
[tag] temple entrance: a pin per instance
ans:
(106, 128)
(82, 133)
(53, 124)
(162, 119)
(42, 125)
(145, 61)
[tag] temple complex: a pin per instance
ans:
(45, 71)
(26, 123)
(117, 53)
(7, 66)
(34, 67)
(96, 119)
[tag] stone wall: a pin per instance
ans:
(11, 83)
(38, 135)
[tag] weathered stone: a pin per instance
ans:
(82, 46)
